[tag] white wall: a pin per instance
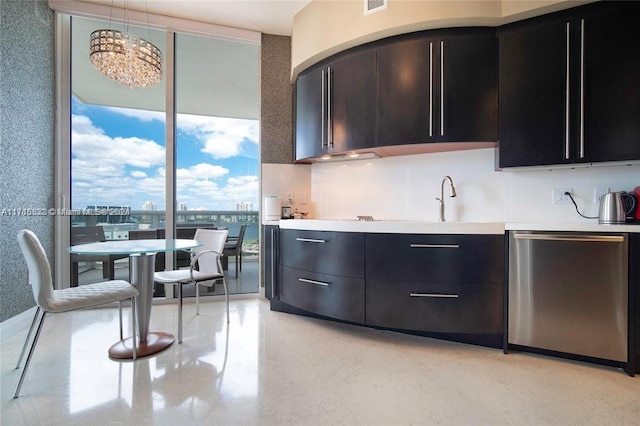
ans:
(406, 187)
(283, 180)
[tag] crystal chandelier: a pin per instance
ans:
(129, 60)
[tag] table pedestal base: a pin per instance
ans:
(156, 342)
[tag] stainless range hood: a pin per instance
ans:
(396, 150)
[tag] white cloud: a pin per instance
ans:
(221, 137)
(138, 174)
(140, 114)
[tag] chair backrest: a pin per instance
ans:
(211, 240)
(87, 234)
(235, 245)
(241, 235)
(38, 266)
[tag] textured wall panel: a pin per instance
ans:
(276, 104)
(27, 117)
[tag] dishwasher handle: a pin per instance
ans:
(568, 237)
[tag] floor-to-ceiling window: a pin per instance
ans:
(118, 143)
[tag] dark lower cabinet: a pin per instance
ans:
(442, 284)
(447, 286)
(436, 259)
(335, 253)
(332, 296)
(434, 307)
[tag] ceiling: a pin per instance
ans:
(215, 77)
(265, 16)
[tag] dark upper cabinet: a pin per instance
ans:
(310, 113)
(405, 108)
(335, 105)
(611, 84)
(569, 87)
(438, 87)
(468, 87)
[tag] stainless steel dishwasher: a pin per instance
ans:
(568, 293)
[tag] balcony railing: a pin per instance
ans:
(118, 221)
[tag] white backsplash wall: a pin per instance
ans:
(406, 187)
(282, 180)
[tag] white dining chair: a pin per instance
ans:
(49, 300)
(205, 269)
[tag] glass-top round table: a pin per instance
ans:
(142, 259)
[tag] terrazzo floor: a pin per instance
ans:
(271, 368)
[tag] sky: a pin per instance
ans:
(118, 159)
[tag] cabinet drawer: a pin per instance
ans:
(334, 253)
(435, 308)
(436, 259)
(332, 296)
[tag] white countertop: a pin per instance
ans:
(394, 226)
(452, 227)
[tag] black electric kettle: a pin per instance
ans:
(615, 207)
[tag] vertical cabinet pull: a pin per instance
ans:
(582, 89)
(430, 89)
(441, 88)
(329, 120)
(273, 264)
(566, 134)
(322, 109)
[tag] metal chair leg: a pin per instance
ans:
(120, 315)
(26, 341)
(134, 327)
(197, 299)
(179, 312)
(33, 347)
(226, 295)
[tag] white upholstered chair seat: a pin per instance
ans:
(183, 276)
(89, 295)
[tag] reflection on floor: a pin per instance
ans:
(271, 368)
(247, 281)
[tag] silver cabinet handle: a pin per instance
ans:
(566, 134)
(441, 88)
(322, 108)
(582, 89)
(430, 89)
(567, 237)
(304, 280)
(442, 295)
(329, 118)
(310, 240)
(273, 264)
(434, 245)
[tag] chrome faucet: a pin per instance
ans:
(452, 193)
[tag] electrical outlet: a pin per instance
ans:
(598, 192)
(558, 196)
(291, 197)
